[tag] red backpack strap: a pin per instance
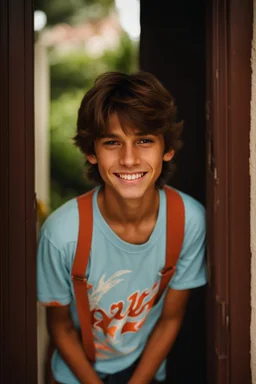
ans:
(82, 255)
(175, 225)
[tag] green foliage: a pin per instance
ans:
(78, 70)
(67, 163)
(125, 59)
(73, 11)
(72, 75)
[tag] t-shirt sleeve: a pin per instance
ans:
(191, 266)
(53, 279)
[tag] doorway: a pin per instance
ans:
(17, 178)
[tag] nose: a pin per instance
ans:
(129, 156)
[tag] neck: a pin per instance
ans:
(128, 211)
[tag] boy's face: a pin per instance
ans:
(129, 163)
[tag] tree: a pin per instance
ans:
(73, 11)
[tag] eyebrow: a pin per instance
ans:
(115, 136)
(109, 136)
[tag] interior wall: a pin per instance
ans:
(172, 47)
(253, 203)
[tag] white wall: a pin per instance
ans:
(42, 178)
(42, 99)
(253, 203)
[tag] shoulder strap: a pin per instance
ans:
(175, 221)
(82, 255)
(175, 224)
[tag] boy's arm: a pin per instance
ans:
(67, 341)
(162, 337)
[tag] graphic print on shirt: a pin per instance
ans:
(122, 317)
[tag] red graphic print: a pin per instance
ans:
(139, 306)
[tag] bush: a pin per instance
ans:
(78, 70)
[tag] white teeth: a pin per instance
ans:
(130, 177)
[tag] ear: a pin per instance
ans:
(168, 155)
(91, 158)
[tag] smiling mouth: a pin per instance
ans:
(130, 176)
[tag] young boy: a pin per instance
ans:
(128, 133)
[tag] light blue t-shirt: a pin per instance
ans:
(123, 280)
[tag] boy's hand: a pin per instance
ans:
(162, 337)
(66, 339)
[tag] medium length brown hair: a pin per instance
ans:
(141, 102)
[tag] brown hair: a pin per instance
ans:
(140, 101)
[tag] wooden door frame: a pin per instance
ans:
(18, 324)
(240, 39)
(18, 360)
(228, 113)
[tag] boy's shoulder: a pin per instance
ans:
(191, 203)
(194, 210)
(195, 218)
(61, 226)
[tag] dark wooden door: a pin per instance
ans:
(217, 192)
(228, 44)
(18, 357)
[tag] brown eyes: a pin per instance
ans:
(110, 142)
(114, 142)
(145, 141)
